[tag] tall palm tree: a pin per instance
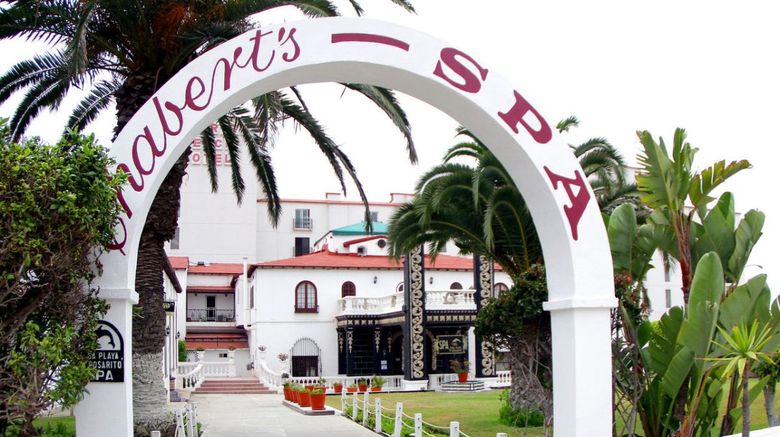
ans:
(123, 51)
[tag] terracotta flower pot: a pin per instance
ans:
(286, 394)
(376, 388)
(309, 387)
(305, 399)
(351, 389)
(337, 388)
(363, 387)
(318, 401)
(463, 377)
(294, 396)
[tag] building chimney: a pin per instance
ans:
(333, 196)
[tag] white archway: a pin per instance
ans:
(569, 224)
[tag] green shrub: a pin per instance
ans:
(182, 351)
(518, 418)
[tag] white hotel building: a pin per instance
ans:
(323, 291)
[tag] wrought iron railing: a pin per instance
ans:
(211, 315)
(302, 223)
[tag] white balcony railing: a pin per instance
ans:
(434, 300)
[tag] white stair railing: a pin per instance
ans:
(194, 378)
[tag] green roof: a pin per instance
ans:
(377, 228)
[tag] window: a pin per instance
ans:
(175, 239)
(456, 286)
(252, 297)
(305, 298)
(302, 246)
(347, 289)
(667, 272)
(499, 288)
(302, 219)
(400, 287)
(374, 216)
(668, 298)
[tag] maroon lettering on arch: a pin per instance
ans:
(369, 37)
(470, 82)
(516, 115)
(578, 201)
(195, 96)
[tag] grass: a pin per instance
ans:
(477, 412)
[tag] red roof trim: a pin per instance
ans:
(217, 269)
(210, 289)
(330, 260)
(179, 262)
(360, 240)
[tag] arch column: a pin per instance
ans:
(582, 365)
(107, 407)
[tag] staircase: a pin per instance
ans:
(233, 386)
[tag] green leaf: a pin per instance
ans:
(703, 303)
(708, 179)
(747, 235)
(677, 371)
(716, 234)
(622, 231)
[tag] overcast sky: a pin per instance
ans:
(619, 66)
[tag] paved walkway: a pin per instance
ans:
(253, 415)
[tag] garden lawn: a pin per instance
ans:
(477, 412)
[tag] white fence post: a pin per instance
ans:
(377, 415)
(343, 404)
(454, 429)
(191, 429)
(417, 424)
(179, 423)
(354, 407)
(365, 409)
(398, 425)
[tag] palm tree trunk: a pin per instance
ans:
(745, 403)
(727, 426)
(150, 391)
(769, 404)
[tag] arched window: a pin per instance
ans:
(400, 287)
(347, 289)
(456, 286)
(305, 356)
(499, 288)
(305, 298)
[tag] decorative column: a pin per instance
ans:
(349, 337)
(377, 350)
(414, 312)
(342, 362)
(483, 283)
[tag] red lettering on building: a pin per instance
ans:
(470, 82)
(578, 201)
(517, 114)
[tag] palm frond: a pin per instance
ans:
(89, 108)
(226, 123)
(209, 150)
(386, 101)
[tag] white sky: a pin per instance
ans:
(711, 67)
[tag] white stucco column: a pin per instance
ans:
(582, 366)
(472, 339)
(107, 408)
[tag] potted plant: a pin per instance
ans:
(377, 382)
(285, 377)
(461, 368)
(305, 396)
(338, 386)
(362, 384)
(286, 388)
(352, 388)
(318, 398)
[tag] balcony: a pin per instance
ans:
(302, 224)
(434, 300)
(219, 315)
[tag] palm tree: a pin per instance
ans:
(480, 210)
(122, 52)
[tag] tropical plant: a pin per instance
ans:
(677, 194)
(57, 213)
(377, 381)
(123, 52)
(459, 366)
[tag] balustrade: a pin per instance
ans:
(211, 315)
(434, 300)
